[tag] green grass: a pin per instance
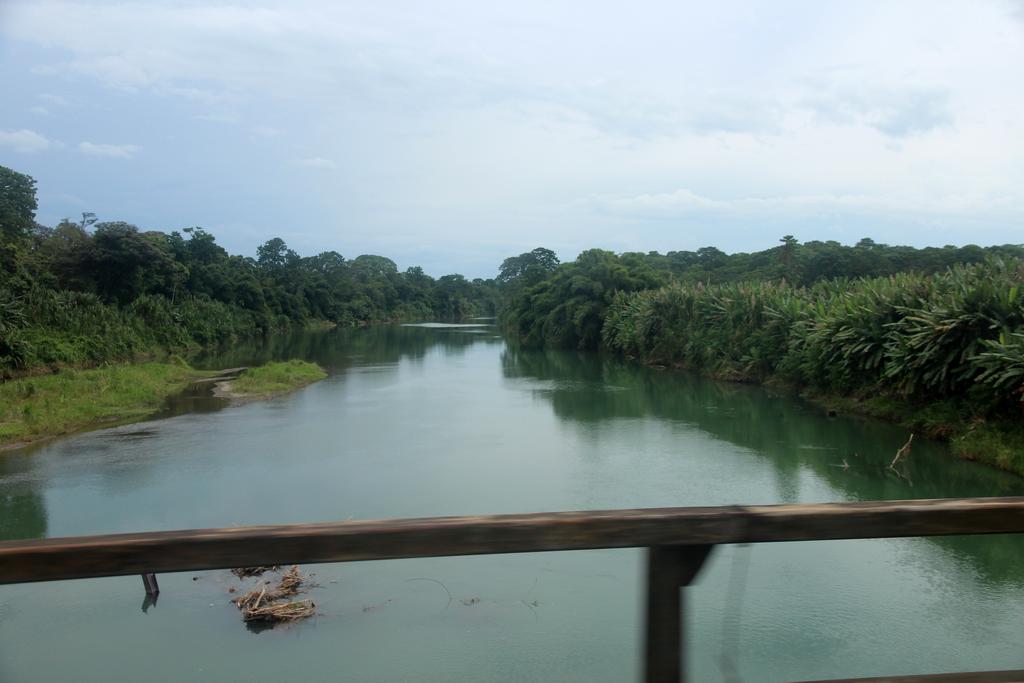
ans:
(45, 406)
(274, 378)
(40, 407)
(998, 444)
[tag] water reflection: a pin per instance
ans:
(420, 421)
(794, 437)
(339, 349)
(22, 506)
(118, 459)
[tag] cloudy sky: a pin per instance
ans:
(454, 134)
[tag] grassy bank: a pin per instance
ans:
(272, 379)
(46, 406)
(42, 407)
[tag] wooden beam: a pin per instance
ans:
(669, 570)
(1016, 676)
(198, 549)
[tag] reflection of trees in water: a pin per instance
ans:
(22, 507)
(339, 349)
(22, 514)
(589, 388)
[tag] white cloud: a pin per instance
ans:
(218, 118)
(41, 111)
(26, 141)
(545, 122)
(316, 162)
(663, 204)
(112, 151)
(896, 111)
(55, 100)
(265, 131)
(683, 202)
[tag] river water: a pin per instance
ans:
(418, 421)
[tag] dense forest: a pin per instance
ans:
(925, 325)
(89, 291)
(931, 337)
(564, 305)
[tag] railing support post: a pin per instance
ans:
(152, 587)
(669, 570)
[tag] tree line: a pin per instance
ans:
(933, 337)
(90, 291)
(545, 303)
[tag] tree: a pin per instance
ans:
(17, 216)
(567, 309)
(370, 266)
(128, 263)
(788, 257)
(529, 268)
(88, 218)
(17, 205)
(273, 254)
(202, 247)
(63, 256)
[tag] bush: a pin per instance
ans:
(957, 334)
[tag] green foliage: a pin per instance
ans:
(55, 404)
(736, 330)
(1001, 367)
(710, 290)
(811, 262)
(17, 214)
(954, 336)
(274, 378)
(567, 308)
(85, 293)
(527, 269)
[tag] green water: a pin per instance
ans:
(417, 421)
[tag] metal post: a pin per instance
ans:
(669, 570)
(152, 587)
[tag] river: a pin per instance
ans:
(434, 420)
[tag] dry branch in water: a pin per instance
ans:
(281, 611)
(902, 452)
(273, 604)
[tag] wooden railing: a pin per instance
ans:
(679, 540)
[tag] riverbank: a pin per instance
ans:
(942, 354)
(993, 442)
(998, 443)
(267, 381)
(43, 407)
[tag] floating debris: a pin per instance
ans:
(280, 611)
(273, 605)
(246, 572)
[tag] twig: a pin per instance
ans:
(427, 578)
(531, 608)
(271, 604)
(902, 452)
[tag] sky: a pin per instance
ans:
(452, 135)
